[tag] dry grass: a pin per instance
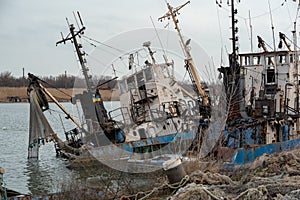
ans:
(22, 93)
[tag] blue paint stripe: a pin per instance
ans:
(243, 156)
(114, 149)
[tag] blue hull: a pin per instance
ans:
(127, 149)
(248, 155)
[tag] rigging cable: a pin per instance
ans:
(56, 88)
(119, 50)
(257, 16)
(220, 31)
(92, 44)
(165, 56)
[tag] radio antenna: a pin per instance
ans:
(76, 20)
(80, 18)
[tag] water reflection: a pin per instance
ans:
(38, 177)
(44, 178)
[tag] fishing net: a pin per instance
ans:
(39, 127)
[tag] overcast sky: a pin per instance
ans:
(29, 29)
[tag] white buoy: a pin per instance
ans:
(174, 170)
(4, 128)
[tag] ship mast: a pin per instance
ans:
(72, 36)
(93, 111)
(190, 66)
(296, 73)
(234, 38)
(234, 69)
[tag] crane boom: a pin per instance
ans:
(190, 66)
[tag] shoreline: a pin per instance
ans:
(19, 94)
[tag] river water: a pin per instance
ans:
(45, 175)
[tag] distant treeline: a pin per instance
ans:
(60, 81)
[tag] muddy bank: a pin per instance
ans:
(274, 176)
(20, 93)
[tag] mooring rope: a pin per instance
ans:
(147, 194)
(166, 185)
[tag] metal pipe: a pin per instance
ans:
(285, 98)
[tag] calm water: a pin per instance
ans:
(42, 176)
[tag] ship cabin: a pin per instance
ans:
(269, 83)
(148, 96)
(269, 99)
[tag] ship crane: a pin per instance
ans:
(190, 66)
(262, 44)
(283, 38)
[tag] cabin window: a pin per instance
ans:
(148, 74)
(270, 75)
(155, 73)
(165, 70)
(282, 59)
(256, 60)
(291, 58)
(270, 60)
(247, 60)
(142, 133)
(265, 110)
(140, 79)
(151, 132)
(130, 83)
(122, 86)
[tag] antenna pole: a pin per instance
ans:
(275, 62)
(77, 46)
(165, 56)
(80, 18)
(233, 31)
(295, 36)
(81, 60)
(251, 32)
(234, 69)
(76, 20)
(272, 26)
